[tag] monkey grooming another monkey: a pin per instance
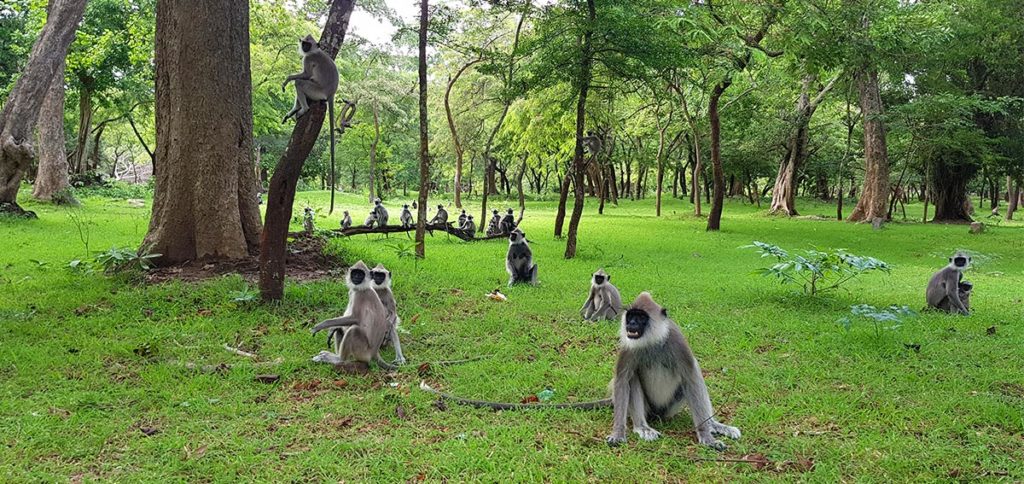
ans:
(604, 301)
(406, 217)
(947, 291)
(656, 375)
(346, 220)
(381, 277)
(318, 81)
(519, 260)
(364, 325)
(382, 213)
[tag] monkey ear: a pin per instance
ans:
(664, 312)
(607, 277)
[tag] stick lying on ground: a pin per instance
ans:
(596, 404)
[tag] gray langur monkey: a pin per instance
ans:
(371, 219)
(593, 143)
(441, 218)
(508, 222)
(494, 226)
(462, 219)
(519, 260)
(947, 290)
(381, 277)
(656, 375)
(406, 217)
(469, 227)
(346, 220)
(363, 325)
(307, 221)
(382, 213)
(604, 301)
(318, 81)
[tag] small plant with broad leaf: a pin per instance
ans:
(245, 296)
(815, 270)
(125, 260)
(892, 315)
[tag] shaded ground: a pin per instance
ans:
(306, 262)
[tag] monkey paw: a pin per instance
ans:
(326, 357)
(400, 360)
(647, 433)
(725, 430)
(712, 442)
(615, 440)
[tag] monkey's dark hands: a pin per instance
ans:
(616, 439)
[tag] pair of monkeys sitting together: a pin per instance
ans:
(656, 374)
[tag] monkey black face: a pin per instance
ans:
(636, 323)
(599, 279)
(357, 276)
(405, 206)
(516, 236)
(306, 46)
(494, 212)
(960, 260)
(510, 211)
(378, 277)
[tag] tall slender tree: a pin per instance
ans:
(421, 217)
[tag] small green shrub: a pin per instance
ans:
(892, 314)
(123, 260)
(817, 270)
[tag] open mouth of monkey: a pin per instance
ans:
(634, 332)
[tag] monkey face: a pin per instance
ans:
(599, 279)
(440, 207)
(306, 45)
(960, 260)
(636, 323)
(510, 211)
(357, 276)
(405, 206)
(379, 277)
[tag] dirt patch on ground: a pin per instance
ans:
(306, 262)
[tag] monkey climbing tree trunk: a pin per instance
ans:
(204, 204)
(421, 219)
(874, 198)
(373, 152)
(455, 134)
(21, 109)
(52, 175)
(586, 66)
(715, 217)
(281, 192)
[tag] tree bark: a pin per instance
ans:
(563, 197)
(21, 111)
(424, 135)
(948, 190)
(1012, 197)
(581, 117)
(875, 195)
(52, 175)
(281, 192)
(84, 124)
(204, 204)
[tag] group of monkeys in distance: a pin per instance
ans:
(379, 217)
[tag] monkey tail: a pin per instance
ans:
(593, 405)
(330, 111)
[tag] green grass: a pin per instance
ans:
(74, 393)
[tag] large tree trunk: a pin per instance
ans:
(21, 111)
(1012, 197)
(948, 190)
(205, 199)
(874, 198)
(52, 175)
(281, 192)
(421, 219)
(581, 118)
(784, 193)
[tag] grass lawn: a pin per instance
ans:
(95, 379)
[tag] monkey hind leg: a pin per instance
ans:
(355, 346)
(638, 413)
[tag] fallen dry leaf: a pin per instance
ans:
(400, 412)
(340, 383)
(424, 370)
(757, 461)
(530, 399)
(991, 330)
(149, 431)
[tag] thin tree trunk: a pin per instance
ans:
(872, 203)
(581, 118)
(421, 220)
(281, 195)
(21, 110)
(715, 217)
(563, 196)
(373, 151)
(454, 131)
(1012, 196)
(84, 124)
(52, 175)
